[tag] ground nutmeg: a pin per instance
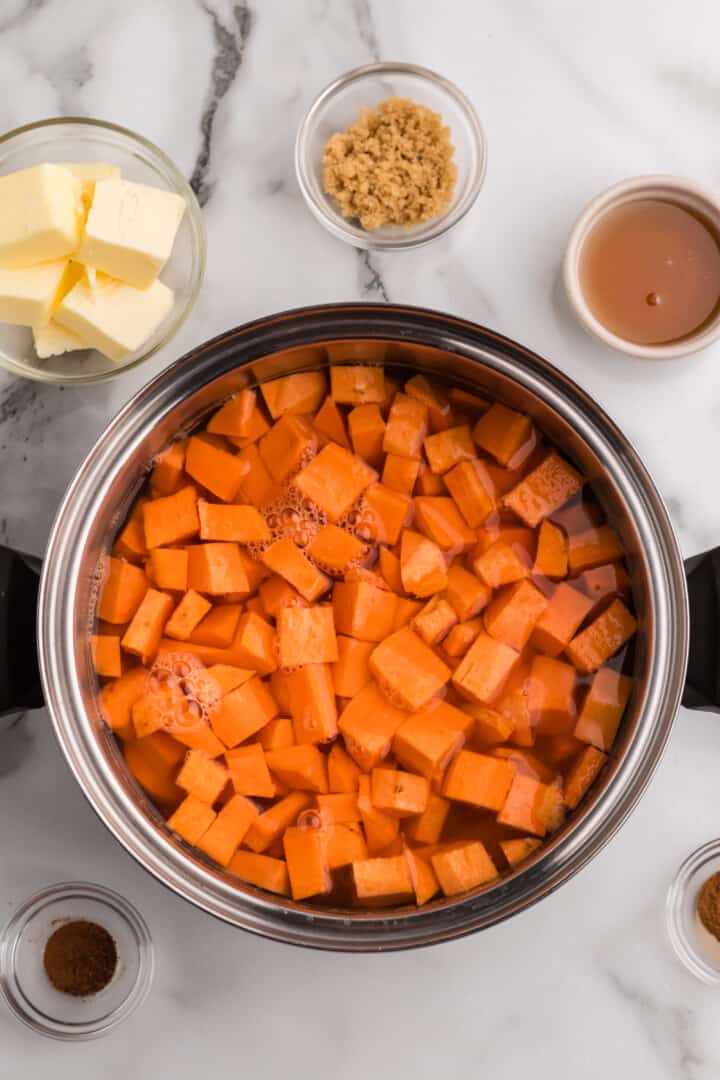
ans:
(80, 958)
(708, 905)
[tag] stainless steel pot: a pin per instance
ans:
(416, 340)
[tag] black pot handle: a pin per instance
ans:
(702, 684)
(20, 686)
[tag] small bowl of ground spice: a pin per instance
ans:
(693, 912)
(390, 156)
(75, 960)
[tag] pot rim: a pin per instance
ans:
(293, 923)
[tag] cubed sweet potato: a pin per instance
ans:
(502, 564)
(228, 829)
(447, 448)
(603, 708)
(593, 548)
(249, 773)
(192, 819)
(383, 513)
(235, 416)
(427, 827)
(605, 635)
(551, 557)
(482, 672)
(407, 669)
(467, 594)
(307, 636)
(363, 611)
(463, 867)
(202, 776)
(262, 871)
(582, 773)
(123, 589)
(284, 557)
(270, 825)
(295, 394)
(514, 612)
(563, 615)
(329, 422)
(406, 427)
(435, 621)
(357, 384)
(302, 767)
(546, 488)
(217, 569)
(143, 635)
(471, 487)
(106, 655)
(244, 524)
(551, 696)
(243, 711)
(368, 723)
(532, 806)
(382, 881)
(214, 468)
(367, 431)
(439, 519)
(334, 480)
(350, 672)
(335, 550)
(503, 433)
(311, 700)
(400, 473)
(401, 794)
(306, 857)
(169, 568)
(479, 780)
(423, 566)
(343, 773)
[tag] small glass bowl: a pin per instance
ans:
(77, 139)
(698, 949)
(338, 106)
(24, 982)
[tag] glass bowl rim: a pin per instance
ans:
(686, 952)
(333, 222)
(12, 932)
(198, 246)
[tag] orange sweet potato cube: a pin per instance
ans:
(243, 711)
(256, 427)
(171, 519)
(255, 644)
(306, 635)
(228, 829)
(334, 480)
(168, 469)
(190, 611)
(130, 543)
(502, 564)
(427, 827)
(192, 819)
(244, 524)
(302, 767)
(335, 550)
(439, 519)
(516, 851)
(235, 416)
(311, 700)
(262, 871)
(270, 826)
(593, 548)
(545, 489)
(491, 727)
(406, 427)
(217, 569)
(257, 486)
(532, 806)
(503, 433)
(214, 468)
(428, 483)
(603, 581)
(106, 655)
(551, 557)
(277, 733)
(345, 844)
(424, 747)
(357, 384)
(202, 776)
(478, 780)
(461, 637)
(407, 669)
(399, 793)
(219, 627)
(382, 881)
(343, 773)
(287, 446)
(514, 612)
(169, 568)
(482, 672)
(582, 774)
(284, 557)
(330, 423)
(350, 672)
(400, 473)
(565, 612)
(367, 431)
(384, 512)
(465, 592)
(435, 621)
(389, 565)
(602, 638)
(472, 489)
(154, 762)
(551, 696)
(143, 635)
(363, 611)
(249, 773)
(424, 879)
(338, 808)
(463, 867)
(603, 708)
(368, 723)
(423, 567)
(448, 448)
(438, 406)
(227, 677)
(405, 612)
(380, 829)
(306, 857)
(295, 394)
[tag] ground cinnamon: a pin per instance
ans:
(80, 958)
(708, 905)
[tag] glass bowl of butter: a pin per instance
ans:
(102, 250)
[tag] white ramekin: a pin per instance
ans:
(685, 193)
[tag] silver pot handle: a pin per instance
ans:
(702, 683)
(20, 687)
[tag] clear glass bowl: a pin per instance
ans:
(25, 985)
(338, 106)
(75, 139)
(698, 949)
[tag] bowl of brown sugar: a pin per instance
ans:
(390, 156)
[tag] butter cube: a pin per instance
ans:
(53, 340)
(28, 295)
(40, 215)
(113, 317)
(88, 173)
(130, 230)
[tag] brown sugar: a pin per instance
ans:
(708, 905)
(393, 166)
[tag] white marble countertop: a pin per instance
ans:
(572, 97)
